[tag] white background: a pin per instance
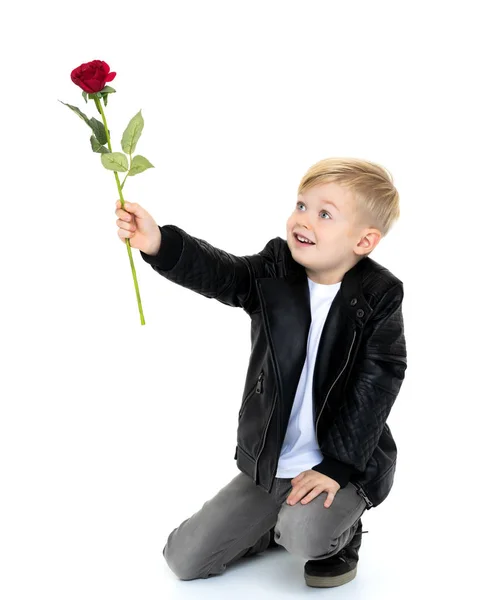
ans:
(113, 433)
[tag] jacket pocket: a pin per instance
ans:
(257, 389)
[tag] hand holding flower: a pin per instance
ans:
(138, 226)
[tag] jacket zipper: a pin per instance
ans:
(259, 385)
(263, 441)
(357, 485)
(258, 389)
(334, 382)
(362, 493)
(261, 301)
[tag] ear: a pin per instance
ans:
(369, 240)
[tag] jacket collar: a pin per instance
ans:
(286, 309)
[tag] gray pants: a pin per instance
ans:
(237, 522)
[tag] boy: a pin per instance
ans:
(328, 358)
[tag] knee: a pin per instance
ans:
(308, 542)
(182, 564)
(314, 547)
(309, 546)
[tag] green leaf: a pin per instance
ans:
(78, 112)
(115, 161)
(97, 147)
(98, 129)
(108, 90)
(132, 133)
(105, 99)
(96, 126)
(84, 94)
(139, 164)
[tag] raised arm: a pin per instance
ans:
(197, 265)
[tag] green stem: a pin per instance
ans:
(125, 178)
(99, 106)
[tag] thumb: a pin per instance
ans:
(135, 208)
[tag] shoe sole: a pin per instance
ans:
(319, 581)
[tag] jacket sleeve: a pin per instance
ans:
(214, 273)
(370, 392)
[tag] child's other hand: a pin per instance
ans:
(312, 483)
(138, 225)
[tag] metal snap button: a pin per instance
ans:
(354, 301)
(360, 312)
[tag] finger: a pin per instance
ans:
(135, 209)
(297, 478)
(119, 205)
(123, 214)
(125, 234)
(127, 226)
(329, 500)
(312, 494)
(298, 492)
(131, 207)
(292, 498)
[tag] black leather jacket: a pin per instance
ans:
(359, 369)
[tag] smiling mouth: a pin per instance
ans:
(299, 243)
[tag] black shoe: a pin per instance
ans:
(338, 569)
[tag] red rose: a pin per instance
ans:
(92, 76)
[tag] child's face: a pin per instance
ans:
(339, 234)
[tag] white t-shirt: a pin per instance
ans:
(300, 450)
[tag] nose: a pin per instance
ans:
(304, 223)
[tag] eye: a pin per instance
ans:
(320, 212)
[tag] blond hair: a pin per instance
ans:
(377, 200)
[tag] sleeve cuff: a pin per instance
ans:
(335, 469)
(170, 250)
